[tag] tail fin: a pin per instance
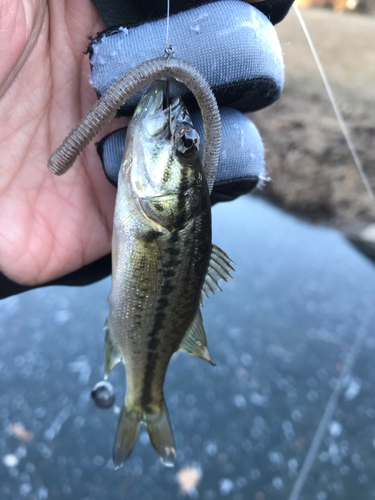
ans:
(159, 429)
(161, 435)
(126, 436)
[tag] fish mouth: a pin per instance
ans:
(152, 101)
(154, 116)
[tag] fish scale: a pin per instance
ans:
(161, 258)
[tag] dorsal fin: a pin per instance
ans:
(194, 341)
(219, 268)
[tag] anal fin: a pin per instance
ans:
(112, 354)
(194, 341)
(219, 268)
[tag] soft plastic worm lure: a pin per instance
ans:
(116, 96)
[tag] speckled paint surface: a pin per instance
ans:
(280, 333)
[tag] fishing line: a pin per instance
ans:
(167, 35)
(336, 108)
(330, 409)
(168, 52)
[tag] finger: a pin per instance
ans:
(230, 42)
(241, 163)
(135, 12)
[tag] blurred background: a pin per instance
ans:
(289, 410)
(313, 173)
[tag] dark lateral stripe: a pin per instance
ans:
(184, 185)
(167, 288)
(153, 343)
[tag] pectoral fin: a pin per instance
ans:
(112, 354)
(147, 266)
(194, 341)
(219, 268)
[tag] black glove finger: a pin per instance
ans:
(232, 43)
(241, 163)
(275, 10)
(134, 12)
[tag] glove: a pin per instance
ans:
(243, 64)
(236, 47)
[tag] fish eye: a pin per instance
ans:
(187, 143)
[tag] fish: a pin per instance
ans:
(163, 263)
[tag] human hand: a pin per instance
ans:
(50, 226)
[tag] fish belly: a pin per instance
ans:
(157, 278)
(155, 295)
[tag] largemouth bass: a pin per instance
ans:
(162, 262)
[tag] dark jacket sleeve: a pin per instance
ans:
(85, 276)
(131, 13)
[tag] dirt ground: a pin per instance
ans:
(313, 174)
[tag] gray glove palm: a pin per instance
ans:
(235, 47)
